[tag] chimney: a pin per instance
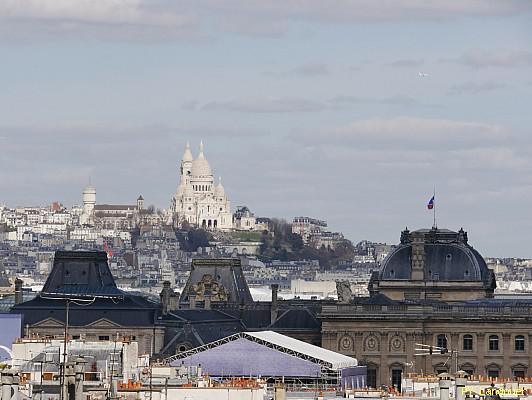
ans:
(18, 291)
(165, 297)
(274, 307)
(7, 381)
(460, 383)
(445, 384)
(79, 370)
(14, 386)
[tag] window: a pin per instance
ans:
(75, 337)
(494, 343)
(519, 373)
(103, 337)
(519, 343)
(372, 378)
(397, 376)
(468, 342)
(493, 373)
(441, 341)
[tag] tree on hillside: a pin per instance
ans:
(195, 238)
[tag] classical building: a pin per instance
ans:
(198, 200)
(216, 302)
(244, 219)
(433, 289)
(115, 216)
(81, 290)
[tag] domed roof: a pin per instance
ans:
(447, 257)
(187, 156)
(200, 166)
(219, 190)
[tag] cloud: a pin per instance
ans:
(475, 87)
(491, 157)
(413, 132)
(306, 70)
(163, 19)
(479, 58)
(399, 100)
(266, 105)
(292, 104)
(105, 18)
(407, 63)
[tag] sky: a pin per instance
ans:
(305, 107)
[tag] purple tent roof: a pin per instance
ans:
(11, 329)
(243, 357)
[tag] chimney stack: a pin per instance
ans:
(79, 368)
(7, 381)
(445, 384)
(18, 291)
(460, 382)
(274, 306)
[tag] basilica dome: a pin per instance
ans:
(200, 166)
(187, 156)
(219, 190)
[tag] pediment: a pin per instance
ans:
(49, 323)
(103, 323)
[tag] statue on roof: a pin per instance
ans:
(343, 289)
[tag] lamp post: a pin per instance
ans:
(63, 393)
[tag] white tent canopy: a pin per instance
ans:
(335, 360)
(326, 358)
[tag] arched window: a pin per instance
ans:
(493, 371)
(468, 342)
(441, 341)
(493, 343)
(519, 343)
(372, 376)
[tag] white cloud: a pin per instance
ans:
(479, 58)
(168, 18)
(104, 11)
(475, 87)
(391, 100)
(266, 105)
(414, 132)
(306, 70)
(407, 63)
(124, 18)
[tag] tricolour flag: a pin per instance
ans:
(430, 204)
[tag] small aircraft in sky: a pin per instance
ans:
(422, 74)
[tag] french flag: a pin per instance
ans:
(430, 205)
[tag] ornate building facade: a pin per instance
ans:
(198, 200)
(433, 289)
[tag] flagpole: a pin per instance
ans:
(434, 208)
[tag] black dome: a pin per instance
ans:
(447, 257)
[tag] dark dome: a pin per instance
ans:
(447, 257)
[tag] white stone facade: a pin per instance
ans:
(198, 201)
